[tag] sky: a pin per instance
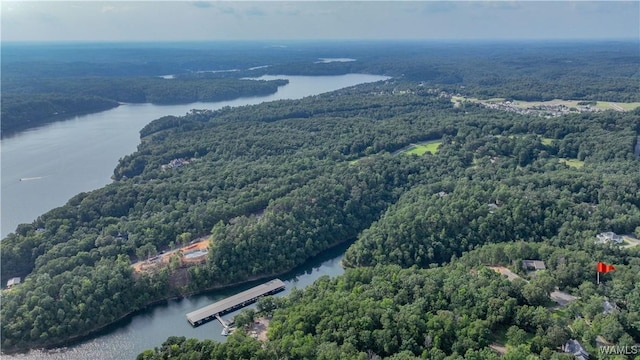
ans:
(311, 20)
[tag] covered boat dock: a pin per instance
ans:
(235, 302)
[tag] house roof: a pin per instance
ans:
(13, 281)
(574, 347)
(536, 264)
(609, 236)
(609, 307)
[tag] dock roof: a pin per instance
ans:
(224, 304)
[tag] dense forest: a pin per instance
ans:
(42, 84)
(277, 183)
(544, 210)
(445, 312)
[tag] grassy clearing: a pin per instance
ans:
(415, 149)
(528, 104)
(575, 163)
(421, 149)
(608, 105)
(546, 141)
(561, 314)
(629, 106)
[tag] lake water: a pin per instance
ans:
(59, 160)
(151, 327)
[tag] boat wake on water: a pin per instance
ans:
(32, 178)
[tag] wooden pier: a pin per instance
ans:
(224, 322)
(233, 303)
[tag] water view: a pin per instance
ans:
(151, 327)
(43, 167)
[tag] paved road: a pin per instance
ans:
(631, 242)
(561, 297)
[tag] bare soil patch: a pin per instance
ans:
(258, 329)
(161, 259)
(504, 271)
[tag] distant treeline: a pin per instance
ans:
(37, 101)
(24, 111)
(46, 83)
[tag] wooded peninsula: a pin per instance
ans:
(275, 184)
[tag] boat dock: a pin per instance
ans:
(222, 321)
(233, 303)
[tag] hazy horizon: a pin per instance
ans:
(274, 42)
(182, 21)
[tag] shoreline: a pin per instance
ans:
(90, 334)
(26, 126)
(22, 127)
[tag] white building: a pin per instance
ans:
(609, 237)
(13, 282)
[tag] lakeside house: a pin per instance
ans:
(609, 237)
(13, 282)
(175, 163)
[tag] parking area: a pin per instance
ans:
(192, 252)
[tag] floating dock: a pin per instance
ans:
(233, 303)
